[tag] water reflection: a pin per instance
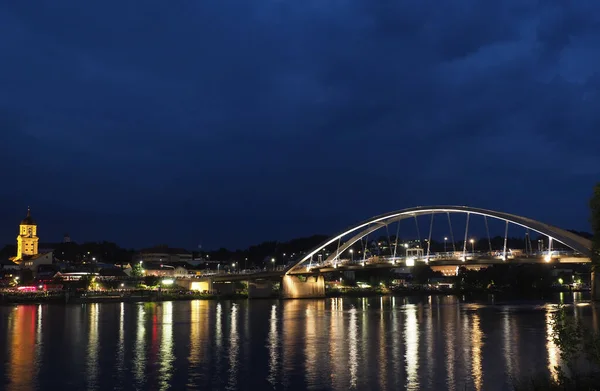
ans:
(337, 343)
(273, 344)
(92, 348)
(552, 349)
(233, 349)
(377, 343)
(39, 344)
(120, 362)
(352, 341)
(166, 345)
(22, 337)
(411, 341)
(382, 348)
(139, 362)
(476, 346)
(450, 339)
(507, 338)
(430, 344)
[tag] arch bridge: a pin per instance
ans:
(338, 251)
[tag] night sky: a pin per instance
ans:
(227, 123)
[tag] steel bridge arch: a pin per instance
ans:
(569, 239)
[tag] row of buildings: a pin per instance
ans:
(157, 261)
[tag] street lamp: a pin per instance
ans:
(273, 262)
(351, 255)
(445, 241)
(472, 241)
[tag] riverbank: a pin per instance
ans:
(108, 297)
(130, 296)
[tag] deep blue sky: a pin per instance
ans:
(232, 122)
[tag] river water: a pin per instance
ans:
(377, 343)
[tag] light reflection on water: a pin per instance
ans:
(476, 347)
(553, 352)
(273, 346)
(233, 349)
(92, 346)
(139, 362)
(411, 340)
(338, 344)
(166, 345)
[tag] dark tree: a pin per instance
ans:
(595, 222)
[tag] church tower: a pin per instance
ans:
(27, 241)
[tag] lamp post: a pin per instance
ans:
(472, 241)
(351, 255)
(445, 243)
(273, 262)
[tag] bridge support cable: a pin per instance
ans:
(418, 232)
(337, 252)
(451, 232)
(487, 230)
(366, 246)
(505, 240)
(464, 258)
(429, 239)
(575, 242)
(397, 233)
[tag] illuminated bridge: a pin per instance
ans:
(349, 249)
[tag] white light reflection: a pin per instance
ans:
(476, 346)
(396, 342)
(336, 344)
(507, 339)
(430, 341)
(450, 339)
(120, 362)
(411, 341)
(553, 352)
(166, 346)
(38, 340)
(273, 347)
(218, 340)
(139, 363)
(382, 349)
(92, 348)
(352, 334)
(194, 357)
(233, 349)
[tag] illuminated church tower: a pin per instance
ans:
(27, 241)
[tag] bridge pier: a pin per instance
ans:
(260, 289)
(292, 287)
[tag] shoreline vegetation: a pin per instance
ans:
(153, 295)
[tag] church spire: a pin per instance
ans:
(28, 211)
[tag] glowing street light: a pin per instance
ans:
(472, 241)
(351, 255)
(273, 262)
(445, 242)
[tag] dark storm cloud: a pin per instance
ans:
(233, 122)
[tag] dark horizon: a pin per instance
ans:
(227, 124)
